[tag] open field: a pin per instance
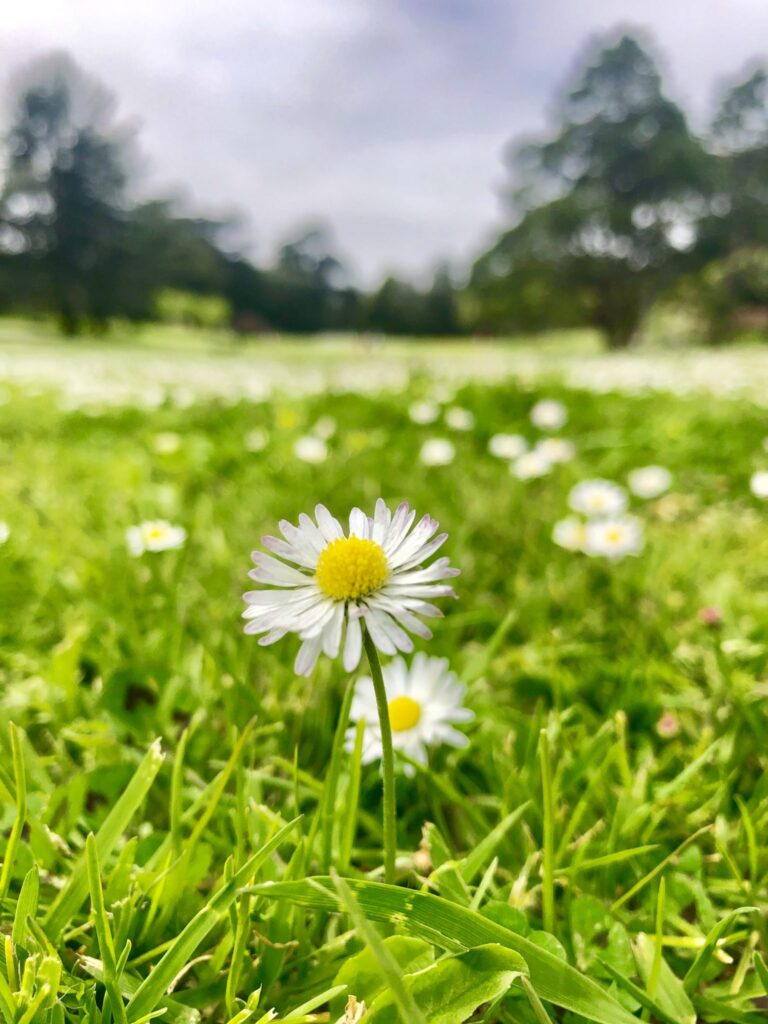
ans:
(142, 366)
(602, 831)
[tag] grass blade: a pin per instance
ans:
(71, 897)
(151, 991)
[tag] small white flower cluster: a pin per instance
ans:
(606, 531)
(439, 451)
(530, 463)
(5, 532)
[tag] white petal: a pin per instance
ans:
(358, 524)
(353, 644)
(399, 527)
(386, 626)
(307, 657)
(413, 542)
(270, 570)
(330, 527)
(291, 552)
(332, 631)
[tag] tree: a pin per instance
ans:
(606, 210)
(62, 209)
(441, 305)
(740, 138)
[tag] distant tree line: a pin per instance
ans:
(73, 245)
(619, 210)
(622, 207)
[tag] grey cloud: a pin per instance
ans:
(387, 118)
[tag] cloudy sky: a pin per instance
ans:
(386, 117)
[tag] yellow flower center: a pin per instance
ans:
(351, 567)
(614, 534)
(404, 713)
(156, 533)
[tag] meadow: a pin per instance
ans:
(192, 831)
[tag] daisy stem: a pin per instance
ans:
(387, 758)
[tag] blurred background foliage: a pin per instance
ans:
(619, 211)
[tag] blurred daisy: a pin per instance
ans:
(507, 446)
(614, 538)
(530, 465)
(570, 533)
(438, 451)
(649, 481)
(5, 532)
(425, 701)
(154, 535)
(166, 443)
(311, 449)
(375, 572)
(556, 449)
(758, 484)
(325, 427)
(549, 414)
(256, 440)
(459, 419)
(424, 412)
(598, 498)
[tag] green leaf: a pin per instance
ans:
(450, 991)
(669, 993)
(362, 976)
(456, 929)
(26, 906)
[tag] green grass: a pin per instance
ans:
(622, 875)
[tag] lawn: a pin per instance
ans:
(595, 850)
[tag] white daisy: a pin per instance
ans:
(459, 419)
(166, 443)
(570, 533)
(556, 449)
(530, 465)
(325, 427)
(438, 451)
(375, 573)
(5, 532)
(154, 535)
(424, 412)
(649, 481)
(256, 440)
(311, 449)
(425, 701)
(614, 538)
(758, 483)
(598, 498)
(507, 446)
(549, 414)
